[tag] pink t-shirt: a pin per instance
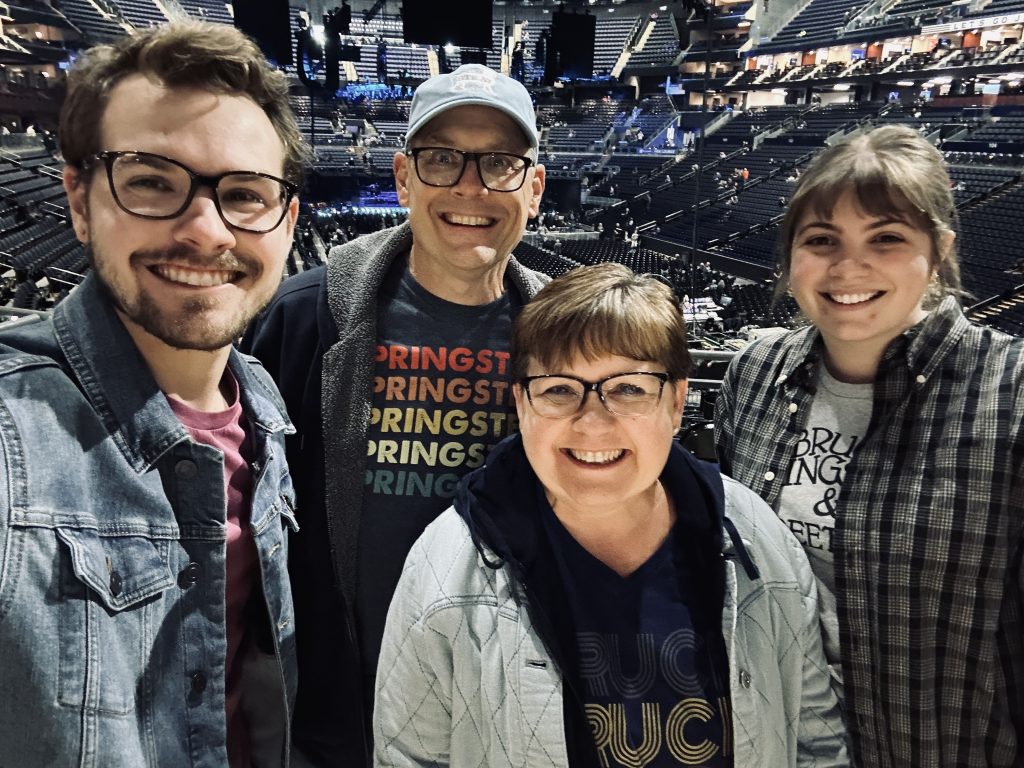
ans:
(225, 431)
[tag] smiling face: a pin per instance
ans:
(595, 461)
(190, 282)
(861, 278)
(466, 232)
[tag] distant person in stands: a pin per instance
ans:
(393, 361)
(596, 596)
(145, 609)
(888, 436)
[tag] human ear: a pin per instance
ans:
(400, 166)
(536, 189)
(77, 188)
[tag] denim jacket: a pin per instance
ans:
(112, 553)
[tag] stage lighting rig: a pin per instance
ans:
(337, 22)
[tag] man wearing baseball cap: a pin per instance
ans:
(393, 361)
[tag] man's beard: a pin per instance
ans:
(188, 325)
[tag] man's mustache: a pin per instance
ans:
(182, 255)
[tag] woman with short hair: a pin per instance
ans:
(597, 596)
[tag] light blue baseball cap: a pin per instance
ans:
(473, 84)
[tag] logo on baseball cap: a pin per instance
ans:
(473, 84)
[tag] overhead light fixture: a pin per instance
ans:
(841, 87)
(905, 83)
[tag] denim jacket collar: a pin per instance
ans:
(115, 378)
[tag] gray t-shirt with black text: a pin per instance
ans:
(839, 417)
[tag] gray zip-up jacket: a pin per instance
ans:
(317, 340)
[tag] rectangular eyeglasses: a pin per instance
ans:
(444, 167)
(558, 395)
(155, 187)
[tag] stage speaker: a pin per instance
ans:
(465, 23)
(269, 24)
(572, 35)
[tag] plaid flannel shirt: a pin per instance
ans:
(928, 533)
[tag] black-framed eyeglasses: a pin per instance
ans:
(443, 167)
(559, 395)
(156, 187)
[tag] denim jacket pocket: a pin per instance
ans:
(288, 512)
(110, 612)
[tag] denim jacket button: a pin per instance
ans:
(185, 469)
(198, 683)
(115, 583)
(189, 575)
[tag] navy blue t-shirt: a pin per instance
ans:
(651, 692)
(441, 399)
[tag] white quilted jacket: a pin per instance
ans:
(465, 681)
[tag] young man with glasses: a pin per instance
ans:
(393, 361)
(145, 609)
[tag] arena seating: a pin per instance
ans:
(814, 25)
(142, 13)
(211, 10)
(616, 147)
(661, 46)
(610, 38)
(543, 260)
(86, 16)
